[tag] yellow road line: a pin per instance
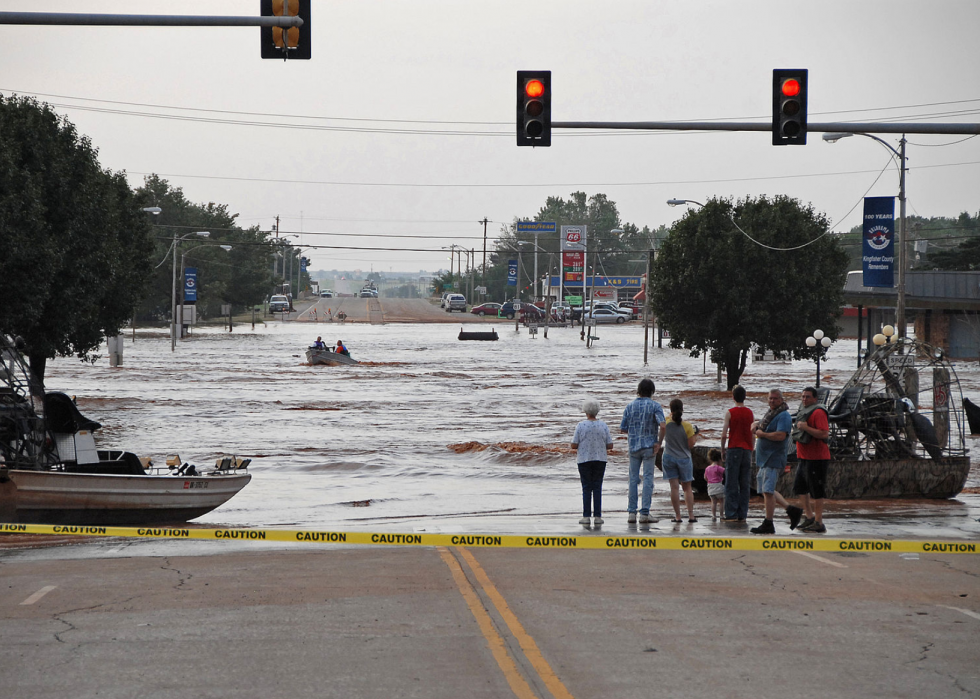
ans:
(528, 645)
(517, 683)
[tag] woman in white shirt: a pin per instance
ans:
(592, 442)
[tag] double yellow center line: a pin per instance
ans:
(495, 641)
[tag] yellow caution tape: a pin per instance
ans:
(594, 541)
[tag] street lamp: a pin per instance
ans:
(819, 338)
(900, 154)
(678, 202)
(173, 292)
(155, 210)
(183, 283)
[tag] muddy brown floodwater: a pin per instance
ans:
(430, 433)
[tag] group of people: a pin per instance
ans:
(339, 349)
(771, 438)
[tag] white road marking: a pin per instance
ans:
(821, 559)
(962, 611)
(39, 594)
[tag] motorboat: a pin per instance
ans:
(326, 356)
(51, 471)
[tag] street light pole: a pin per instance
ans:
(183, 284)
(173, 290)
(902, 253)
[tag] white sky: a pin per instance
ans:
(453, 61)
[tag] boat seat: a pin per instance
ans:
(62, 416)
(845, 404)
(242, 463)
(223, 463)
(173, 460)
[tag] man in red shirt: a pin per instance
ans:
(811, 432)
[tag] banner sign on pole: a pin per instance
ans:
(878, 254)
(536, 227)
(190, 283)
(511, 272)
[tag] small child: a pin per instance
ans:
(715, 474)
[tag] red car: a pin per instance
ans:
(486, 309)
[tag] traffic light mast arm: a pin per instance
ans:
(842, 127)
(67, 18)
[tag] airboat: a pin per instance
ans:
(52, 473)
(897, 428)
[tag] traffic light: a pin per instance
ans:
(789, 107)
(534, 107)
(278, 42)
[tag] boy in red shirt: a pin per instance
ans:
(811, 432)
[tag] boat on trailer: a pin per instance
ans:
(897, 429)
(51, 471)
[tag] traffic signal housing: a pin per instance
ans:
(789, 91)
(279, 42)
(534, 108)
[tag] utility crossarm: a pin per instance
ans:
(831, 127)
(67, 18)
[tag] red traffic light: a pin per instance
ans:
(534, 88)
(791, 87)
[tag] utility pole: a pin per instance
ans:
(484, 275)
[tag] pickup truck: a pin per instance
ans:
(278, 304)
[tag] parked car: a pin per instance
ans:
(368, 294)
(278, 304)
(326, 294)
(486, 309)
(455, 302)
(525, 309)
(626, 312)
(635, 307)
(442, 303)
(607, 315)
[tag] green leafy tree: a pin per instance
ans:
(717, 291)
(74, 245)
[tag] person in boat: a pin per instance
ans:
(341, 349)
(319, 343)
(811, 432)
(737, 454)
(771, 433)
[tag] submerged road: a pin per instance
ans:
(101, 619)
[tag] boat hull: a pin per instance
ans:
(56, 497)
(324, 358)
(870, 480)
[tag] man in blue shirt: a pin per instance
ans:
(771, 433)
(641, 421)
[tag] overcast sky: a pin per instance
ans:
(333, 145)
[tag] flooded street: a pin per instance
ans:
(432, 434)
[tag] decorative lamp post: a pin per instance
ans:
(819, 338)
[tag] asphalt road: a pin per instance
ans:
(110, 618)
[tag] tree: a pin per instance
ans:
(74, 245)
(718, 291)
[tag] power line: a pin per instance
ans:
(524, 185)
